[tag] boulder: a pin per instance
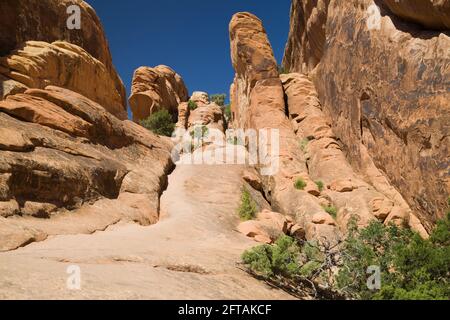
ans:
(200, 98)
(40, 64)
(154, 89)
(84, 168)
(267, 227)
(323, 218)
(209, 115)
(45, 20)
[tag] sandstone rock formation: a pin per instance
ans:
(309, 150)
(68, 163)
(190, 254)
(206, 115)
(154, 89)
(62, 156)
(385, 90)
(258, 103)
(327, 163)
(39, 64)
(200, 98)
(45, 20)
(430, 13)
(306, 42)
(267, 227)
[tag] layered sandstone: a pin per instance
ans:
(39, 64)
(46, 20)
(69, 161)
(306, 42)
(154, 89)
(207, 113)
(385, 91)
(258, 103)
(309, 150)
(368, 197)
(434, 14)
(63, 156)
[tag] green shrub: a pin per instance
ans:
(282, 70)
(227, 112)
(300, 184)
(304, 145)
(247, 210)
(160, 123)
(320, 185)
(219, 99)
(192, 105)
(278, 259)
(411, 267)
(331, 210)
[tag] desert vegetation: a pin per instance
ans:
(160, 123)
(411, 268)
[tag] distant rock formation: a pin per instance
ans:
(154, 89)
(207, 113)
(385, 90)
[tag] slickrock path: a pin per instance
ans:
(190, 254)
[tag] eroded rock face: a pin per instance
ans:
(61, 152)
(306, 42)
(39, 64)
(200, 98)
(46, 20)
(434, 14)
(258, 103)
(315, 185)
(154, 89)
(385, 91)
(367, 197)
(206, 114)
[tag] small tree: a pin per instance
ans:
(227, 112)
(331, 210)
(300, 184)
(160, 123)
(192, 105)
(411, 267)
(219, 99)
(247, 209)
(320, 185)
(282, 69)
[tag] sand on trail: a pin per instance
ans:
(191, 253)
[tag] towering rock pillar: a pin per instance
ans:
(381, 71)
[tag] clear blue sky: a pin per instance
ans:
(189, 36)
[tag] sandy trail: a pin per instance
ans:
(190, 254)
